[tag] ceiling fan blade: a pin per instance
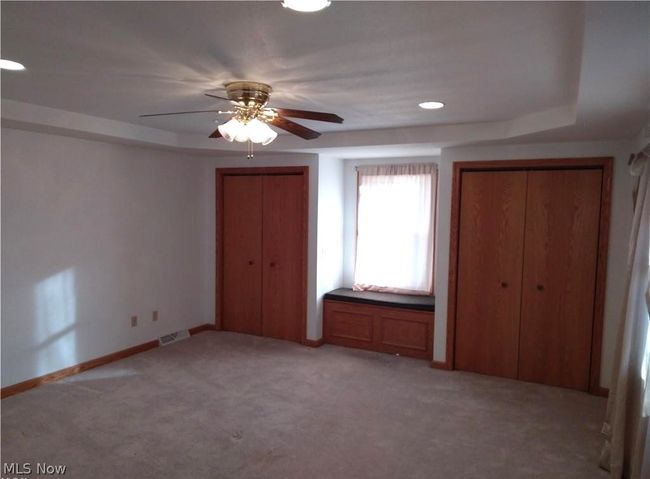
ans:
(215, 134)
(295, 128)
(217, 97)
(309, 115)
(180, 113)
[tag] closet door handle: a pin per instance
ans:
(504, 284)
(272, 264)
(251, 262)
(540, 287)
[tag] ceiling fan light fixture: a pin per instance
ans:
(251, 117)
(306, 5)
(271, 135)
(431, 105)
(259, 132)
(231, 129)
(242, 137)
(255, 131)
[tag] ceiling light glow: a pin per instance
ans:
(431, 105)
(254, 130)
(260, 132)
(306, 5)
(230, 129)
(11, 65)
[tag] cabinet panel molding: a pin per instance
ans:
(356, 326)
(401, 332)
(383, 329)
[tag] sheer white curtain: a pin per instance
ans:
(395, 223)
(626, 449)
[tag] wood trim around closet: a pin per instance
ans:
(602, 163)
(258, 171)
(601, 273)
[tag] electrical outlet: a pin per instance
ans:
(134, 321)
(154, 316)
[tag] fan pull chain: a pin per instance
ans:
(249, 154)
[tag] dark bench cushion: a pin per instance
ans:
(404, 301)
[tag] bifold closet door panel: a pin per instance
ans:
(242, 254)
(282, 272)
(492, 214)
(560, 255)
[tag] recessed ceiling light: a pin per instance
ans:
(431, 105)
(306, 5)
(9, 65)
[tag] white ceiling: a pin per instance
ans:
(369, 62)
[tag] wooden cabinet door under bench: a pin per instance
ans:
(384, 329)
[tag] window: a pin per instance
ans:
(395, 228)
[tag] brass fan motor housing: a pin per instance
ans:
(249, 93)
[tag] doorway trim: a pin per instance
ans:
(601, 163)
(220, 173)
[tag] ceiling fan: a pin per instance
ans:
(251, 115)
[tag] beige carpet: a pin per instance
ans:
(223, 405)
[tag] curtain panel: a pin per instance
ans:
(395, 228)
(626, 451)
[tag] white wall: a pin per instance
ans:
(350, 206)
(330, 232)
(207, 197)
(621, 218)
(93, 233)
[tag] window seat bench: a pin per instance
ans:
(384, 322)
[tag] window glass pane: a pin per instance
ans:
(395, 229)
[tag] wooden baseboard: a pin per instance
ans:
(64, 373)
(201, 328)
(441, 365)
(313, 343)
(86, 365)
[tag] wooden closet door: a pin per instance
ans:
(560, 254)
(282, 274)
(489, 271)
(242, 254)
